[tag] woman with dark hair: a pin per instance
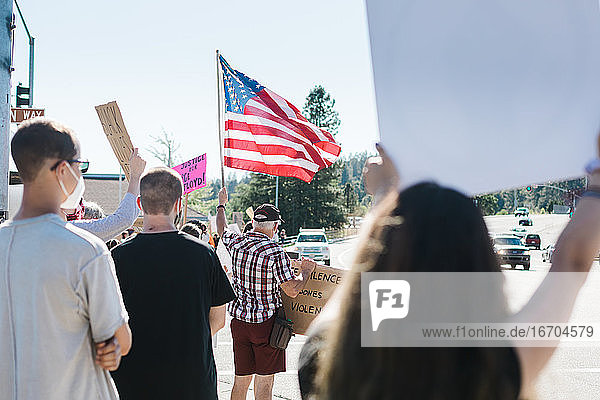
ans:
(409, 232)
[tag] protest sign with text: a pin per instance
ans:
(304, 308)
(193, 173)
(486, 95)
(116, 133)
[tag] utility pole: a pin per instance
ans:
(31, 47)
(6, 27)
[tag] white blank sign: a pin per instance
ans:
(482, 95)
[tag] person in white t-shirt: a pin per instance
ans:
(62, 320)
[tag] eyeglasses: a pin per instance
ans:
(84, 164)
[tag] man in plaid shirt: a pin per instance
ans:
(260, 268)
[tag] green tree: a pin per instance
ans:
(350, 198)
(487, 203)
(319, 109)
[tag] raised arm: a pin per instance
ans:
(380, 175)
(221, 219)
(553, 301)
(108, 227)
(137, 165)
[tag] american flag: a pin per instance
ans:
(266, 133)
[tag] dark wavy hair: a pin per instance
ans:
(425, 228)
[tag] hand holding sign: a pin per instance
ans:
(321, 282)
(137, 164)
(223, 196)
(306, 266)
(380, 175)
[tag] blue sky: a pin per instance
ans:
(157, 59)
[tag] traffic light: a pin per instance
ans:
(22, 96)
(529, 188)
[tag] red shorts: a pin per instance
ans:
(252, 353)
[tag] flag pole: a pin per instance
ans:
(185, 209)
(277, 191)
(219, 117)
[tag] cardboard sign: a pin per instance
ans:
(486, 95)
(116, 133)
(304, 308)
(193, 173)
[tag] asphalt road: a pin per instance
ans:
(573, 372)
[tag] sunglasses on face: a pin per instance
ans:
(84, 164)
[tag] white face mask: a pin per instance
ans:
(74, 198)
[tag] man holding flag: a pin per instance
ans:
(263, 133)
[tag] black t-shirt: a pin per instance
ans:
(169, 282)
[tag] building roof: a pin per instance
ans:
(104, 190)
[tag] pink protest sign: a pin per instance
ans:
(193, 173)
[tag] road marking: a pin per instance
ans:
(584, 370)
(342, 255)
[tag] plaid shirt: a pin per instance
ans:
(259, 267)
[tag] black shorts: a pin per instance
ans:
(252, 353)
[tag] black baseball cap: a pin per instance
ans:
(267, 212)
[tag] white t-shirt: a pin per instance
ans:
(58, 296)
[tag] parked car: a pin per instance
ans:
(533, 240)
(510, 251)
(547, 253)
(521, 211)
(525, 222)
(313, 244)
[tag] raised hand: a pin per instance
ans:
(223, 196)
(307, 266)
(136, 164)
(380, 175)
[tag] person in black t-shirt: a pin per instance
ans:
(175, 291)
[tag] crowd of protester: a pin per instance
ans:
(80, 321)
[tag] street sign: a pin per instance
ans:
(18, 115)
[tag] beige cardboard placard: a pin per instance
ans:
(116, 133)
(303, 309)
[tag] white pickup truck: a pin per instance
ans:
(313, 244)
